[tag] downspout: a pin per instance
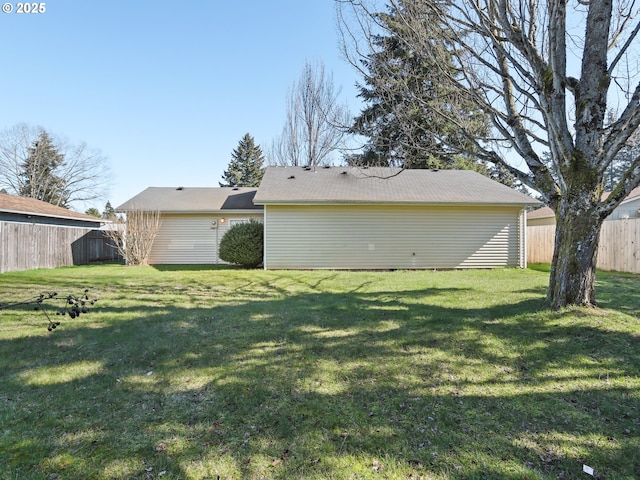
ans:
(523, 227)
(264, 236)
(217, 241)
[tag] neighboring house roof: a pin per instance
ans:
(32, 207)
(192, 200)
(547, 212)
(544, 212)
(383, 185)
(633, 195)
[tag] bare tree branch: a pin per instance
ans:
(134, 236)
(316, 122)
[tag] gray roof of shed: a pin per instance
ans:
(192, 200)
(381, 185)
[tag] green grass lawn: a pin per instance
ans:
(197, 373)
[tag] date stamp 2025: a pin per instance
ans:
(24, 8)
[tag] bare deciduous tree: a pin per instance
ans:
(84, 171)
(546, 73)
(316, 122)
(134, 235)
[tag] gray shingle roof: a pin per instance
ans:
(191, 200)
(32, 206)
(297, 185)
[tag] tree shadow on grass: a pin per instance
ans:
(619, 291)
(314, 384)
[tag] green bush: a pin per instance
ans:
(243, 244)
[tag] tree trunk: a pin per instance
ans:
(573, 269)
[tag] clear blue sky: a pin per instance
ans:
(165, 89)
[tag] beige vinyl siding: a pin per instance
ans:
(630, 209)
(389, 237)
(191, 238)
(185, 239)
(533, 222)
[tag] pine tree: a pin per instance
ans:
(623, 160)
(246, 166)
(403, 94)
(109, 212)
(38, 176)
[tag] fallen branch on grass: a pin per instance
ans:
(73, 305)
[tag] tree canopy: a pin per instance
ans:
(94, 212)
(38, 164)
(38, 177)
(316, 122)
(403, 94)
(109, 212)
(246, 167)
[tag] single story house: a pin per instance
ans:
(628, 208)
(36, 234)
(348, 218)
(388, 218)
(193, 220)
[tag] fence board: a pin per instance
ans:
(24, 246)
(540, 240)
(619, 247)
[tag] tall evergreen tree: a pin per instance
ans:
(109, 212)
(403, 97)
(246, 166)
(39, 175)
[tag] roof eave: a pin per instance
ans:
(378, 203)
(49, 215)
(199, 212)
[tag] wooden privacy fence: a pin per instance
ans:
(619, 245)
(24, 246)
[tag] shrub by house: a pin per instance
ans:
(243, 244)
